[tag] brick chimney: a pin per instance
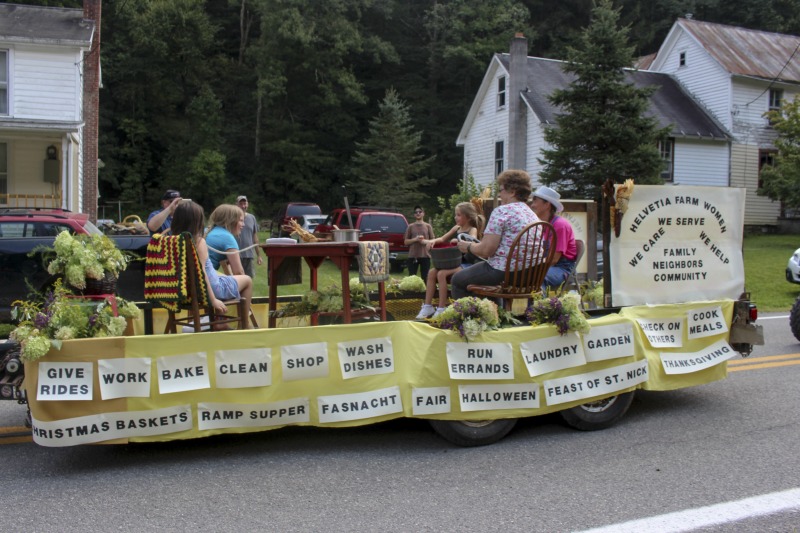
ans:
(91, 110)
(517, 111)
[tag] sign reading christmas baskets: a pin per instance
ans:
(156, 388)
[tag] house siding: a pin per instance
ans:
(759, 210)
(702, 77)
(46, 85)
(490, 126)
(700, 163)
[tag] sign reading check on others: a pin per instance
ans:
(683, 244)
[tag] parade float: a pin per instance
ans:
(671, 315)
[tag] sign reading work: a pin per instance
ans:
(681, 243)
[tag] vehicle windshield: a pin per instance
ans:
(382, 223)
(91, 229)
(299, 210)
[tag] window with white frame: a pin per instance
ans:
(499, 150)
(3, 82)
(667, 149)
(775, 99)
(501, 92)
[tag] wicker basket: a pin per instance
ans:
(446, 258)
(94, 287)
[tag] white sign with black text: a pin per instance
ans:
(304, 361)
(480, 360)
(685, 363)
(124, 378)
(233, 415)
(552, 353)
(608, 342)
(65, 381)
(597, 383)
(367, 357)
(249, 367)
(178, 373)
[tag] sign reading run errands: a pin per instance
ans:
(673, 334)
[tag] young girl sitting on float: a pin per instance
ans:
(468, 223)
(189, 217)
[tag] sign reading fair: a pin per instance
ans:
(682, 243)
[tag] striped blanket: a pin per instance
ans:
(166, 278)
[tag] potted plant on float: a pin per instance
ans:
(62, 316)
(89, 264)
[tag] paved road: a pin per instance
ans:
(675, 451)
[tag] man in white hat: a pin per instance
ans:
(547, 204)
(246, 238)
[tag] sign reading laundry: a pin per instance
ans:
(367, 357)
(480, 360)
(552, 353)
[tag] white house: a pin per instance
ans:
(738, 75)
(42, 119)
(708, 144)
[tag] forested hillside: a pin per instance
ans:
(270, 98)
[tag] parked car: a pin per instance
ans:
(289, 211)
(24, 230)
(373, 225)
(793, 268)
(310, 222)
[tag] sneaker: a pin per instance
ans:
(439, 311)
(426, 312)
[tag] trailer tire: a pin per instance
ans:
(794, 319)
(473, 433)
(598, 415)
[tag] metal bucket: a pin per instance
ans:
(345, 235)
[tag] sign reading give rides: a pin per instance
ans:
(682, 243)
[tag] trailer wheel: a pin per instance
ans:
(473, 432)
(794, 319)
(598, 415)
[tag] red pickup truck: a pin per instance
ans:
(373, 225)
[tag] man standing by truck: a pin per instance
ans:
(416, 234)
(246, 238)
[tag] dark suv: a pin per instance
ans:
(373, 225)
(292, 210)
(24, 230)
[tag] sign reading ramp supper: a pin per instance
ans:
(679, 244)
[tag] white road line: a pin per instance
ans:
(721, 513)
(784, 317)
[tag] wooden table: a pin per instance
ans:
(341, 253)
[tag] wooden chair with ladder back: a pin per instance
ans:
(528, 259)
(175, 279)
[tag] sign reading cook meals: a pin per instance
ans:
(682, 243)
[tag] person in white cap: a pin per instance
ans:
(546, 204)
(246, 238)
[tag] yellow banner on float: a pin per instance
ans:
(168, 387)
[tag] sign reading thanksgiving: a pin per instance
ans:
(678, 244)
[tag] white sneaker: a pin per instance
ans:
(426, 312)
(439, 311)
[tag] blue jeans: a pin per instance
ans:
(558, 273)
(478, 274)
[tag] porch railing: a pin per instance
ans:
(30, 200)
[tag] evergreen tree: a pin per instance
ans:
(603, 131)
(781, 182)
(388, 169)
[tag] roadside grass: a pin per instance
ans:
(765, 258)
